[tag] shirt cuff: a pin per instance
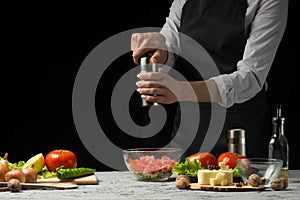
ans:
(226, 91)
(171, 57)
(171, 60)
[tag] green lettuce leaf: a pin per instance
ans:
(17, 165)
(187, 167)
(45, 173)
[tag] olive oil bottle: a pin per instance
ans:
(278, 146)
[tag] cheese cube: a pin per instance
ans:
(223, 166)
(205, 175)
(214, 182)
(215, 177)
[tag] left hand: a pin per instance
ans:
(153, 42)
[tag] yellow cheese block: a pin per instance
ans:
(223, 176)
(205, 175)
(215, 177)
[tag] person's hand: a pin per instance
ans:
(160, 87)
(154, 42)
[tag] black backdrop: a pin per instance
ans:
(44, 44)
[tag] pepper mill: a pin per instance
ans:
(145, 67)
(236, 141)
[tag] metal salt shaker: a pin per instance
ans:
(236, 141)
(144, 68)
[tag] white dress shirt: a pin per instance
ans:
(265, 24)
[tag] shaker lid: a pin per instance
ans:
(236, 133)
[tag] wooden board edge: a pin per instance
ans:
(37, 185)
(233, 188)
(86, 180)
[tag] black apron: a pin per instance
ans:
(218, 25)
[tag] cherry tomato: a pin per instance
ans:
(205, 158)
(60, 157)
(229, 158)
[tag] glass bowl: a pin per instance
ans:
(151, 164)
(267, 169)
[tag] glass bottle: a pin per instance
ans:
(278, 146)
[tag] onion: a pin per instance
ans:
(3, 167)
(30, 174)
(15, 174)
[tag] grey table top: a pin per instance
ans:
(123, 185)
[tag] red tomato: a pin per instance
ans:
(60, 157)
(205, 158)
(229, 158)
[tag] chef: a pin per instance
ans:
(241, 37)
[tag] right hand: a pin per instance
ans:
(154, 42)
(160, 87)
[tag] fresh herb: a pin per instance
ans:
(156, 176)
(235, 172)
(187, 167)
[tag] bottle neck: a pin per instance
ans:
(278, 126)
(281, 128)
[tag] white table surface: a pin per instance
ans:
(123, 185)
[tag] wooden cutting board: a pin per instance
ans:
(86, 180)
(231, 188)
(55, 183)
(26, 186)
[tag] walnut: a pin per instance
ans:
(14, 185)
(254, 180)
(276, 184)
(285, 182)
(182, 181)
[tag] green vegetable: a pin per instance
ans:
(17, 165)
(65, 174)
(156, 176)
(236, 172)
(187, 167)
(45, 173)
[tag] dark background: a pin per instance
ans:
(43, 45)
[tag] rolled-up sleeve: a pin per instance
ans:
(170, 30)
(265, 34)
